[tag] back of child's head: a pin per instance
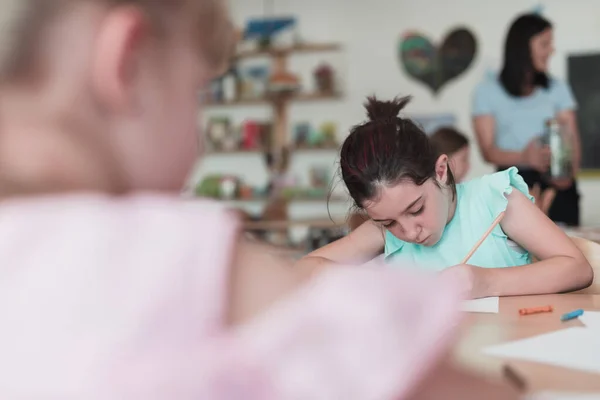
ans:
(25, 24)
(455, 145)
(448, 140)
(386, 150)
(114, 85)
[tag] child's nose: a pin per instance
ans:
(413, 233)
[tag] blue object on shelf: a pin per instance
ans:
(267, 27)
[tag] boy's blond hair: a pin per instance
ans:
(23, 23)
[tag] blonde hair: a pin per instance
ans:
(23, 22)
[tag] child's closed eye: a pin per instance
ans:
(419, 211)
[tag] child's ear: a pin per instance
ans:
(441, 169)
(116, 61)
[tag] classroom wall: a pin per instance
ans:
(369, 32)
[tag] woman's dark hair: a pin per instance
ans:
(386, 150)
(448, 140)
(518, 65)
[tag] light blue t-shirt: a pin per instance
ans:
(479, 202)
(520, 119)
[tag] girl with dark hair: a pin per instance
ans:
(510, 111)
(419, 216)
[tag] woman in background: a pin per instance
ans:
(510, 111)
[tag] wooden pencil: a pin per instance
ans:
(485, 235)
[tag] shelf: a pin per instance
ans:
(282, 51)
(323, 223)
(301, 97)
(235, 151)
(316, 96)
(307, 200)
(316, 149)
(261, 152)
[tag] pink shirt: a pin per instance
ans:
(124, 299)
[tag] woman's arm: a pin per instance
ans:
(484, 127)
(562, 267)
(358, 247)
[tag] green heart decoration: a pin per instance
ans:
(436, 66)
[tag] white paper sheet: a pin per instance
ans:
(484, 305)
(590, 319)
(577, 348)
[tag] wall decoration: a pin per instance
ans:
(265, 30)
(585, 83)
(434, 65)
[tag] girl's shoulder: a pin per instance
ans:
(491, 191)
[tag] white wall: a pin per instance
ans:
(370, 30)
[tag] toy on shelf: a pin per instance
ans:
(319, 176)
(254, 82)
(328, 132)
(265, 33)
(324, 79)
(226, 187)
(307, 138)
(284, 83)
(302, 132)
(251, 135)
(219, 128)
(218, 187)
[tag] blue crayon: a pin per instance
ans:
(571, 315)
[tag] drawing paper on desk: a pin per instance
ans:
(591, 319)
(576, 348)
(484, 305)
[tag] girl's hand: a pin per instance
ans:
(474, 277)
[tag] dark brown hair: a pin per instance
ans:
(517, 55)
(447, 140)
(386, 150)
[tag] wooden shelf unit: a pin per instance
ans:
(265, 101)
(261, 151)
(280, 103)
(285, 51)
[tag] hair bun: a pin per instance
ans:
(385, 110)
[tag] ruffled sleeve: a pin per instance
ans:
(498, 186)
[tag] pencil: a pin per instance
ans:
(485, 235)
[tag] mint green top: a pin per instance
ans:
(479, 202)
